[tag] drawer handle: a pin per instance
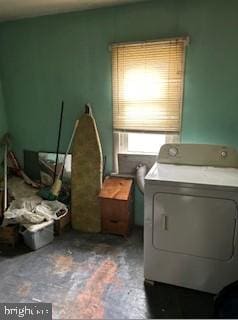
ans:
(114, 221)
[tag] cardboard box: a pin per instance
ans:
(9, 235)
(62, 224)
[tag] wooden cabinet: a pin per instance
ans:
(116, 201)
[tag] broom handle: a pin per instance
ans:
(59, 136)
(68, 149)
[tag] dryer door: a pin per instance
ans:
(192, 225)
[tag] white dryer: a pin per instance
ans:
(190, 227)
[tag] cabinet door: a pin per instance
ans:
(199, 226)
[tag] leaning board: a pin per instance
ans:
(87, 166)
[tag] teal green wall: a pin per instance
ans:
(3, 119)
(46, 59)
(3, 122)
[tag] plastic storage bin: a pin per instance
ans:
(37, 236)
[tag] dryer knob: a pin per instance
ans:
(173, 151)
(224, 154)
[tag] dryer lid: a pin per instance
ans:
(194, 174)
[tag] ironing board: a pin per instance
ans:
(87, 167)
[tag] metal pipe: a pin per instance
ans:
(141, 171)
(5, 177)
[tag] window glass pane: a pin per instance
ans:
(145, 143)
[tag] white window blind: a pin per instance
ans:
(148, 85)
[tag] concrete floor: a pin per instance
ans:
(94, 276)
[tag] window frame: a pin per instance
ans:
(120, 145)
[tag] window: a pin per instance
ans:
(147, 86)
(141, 143)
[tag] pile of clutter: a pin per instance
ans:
(27, 204)
(35, 218)
(31, 211)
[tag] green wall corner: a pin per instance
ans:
(3, 123)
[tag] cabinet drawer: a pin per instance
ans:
(115, 226)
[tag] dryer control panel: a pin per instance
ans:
(199, 155)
